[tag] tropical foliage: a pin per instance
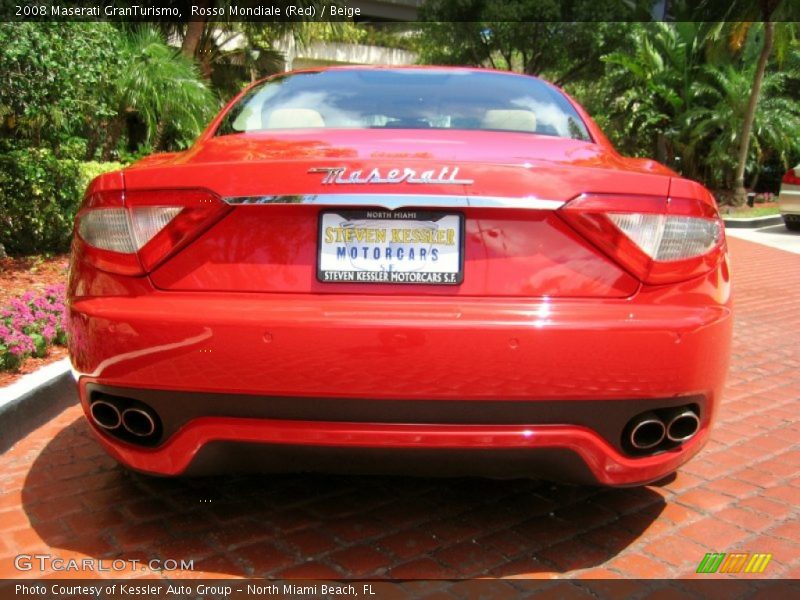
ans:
(163, 88)
(651, 88)
(56, 83)
(77, 88)
(522, 35)
(96, 90)
(680, 99)
(714, 125)
(683, 92)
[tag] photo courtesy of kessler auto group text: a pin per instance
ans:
(399, 299)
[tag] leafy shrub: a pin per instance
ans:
(90, 170)
(58, 80)
(39, 195)
(30, 325)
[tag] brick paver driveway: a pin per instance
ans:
(62, 495)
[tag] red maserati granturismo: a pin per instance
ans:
(416, 270)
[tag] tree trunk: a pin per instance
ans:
(572, 73)
(661, 148)
(739, 193)
(112, 137)
(755, 179)
(158, 138)
(194, 30)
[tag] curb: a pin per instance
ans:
(33, 400)
(752, 223)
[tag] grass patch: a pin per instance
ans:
(749, 212)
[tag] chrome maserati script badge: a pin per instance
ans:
(341, 175)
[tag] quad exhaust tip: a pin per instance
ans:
(648, 431)
(105, 415)
(666, 427)
(683, 426)
(138, 422)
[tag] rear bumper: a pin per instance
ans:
(789, 200)
(381, 348)
(569, 453)
(579, 355)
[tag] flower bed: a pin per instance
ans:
(30, 325)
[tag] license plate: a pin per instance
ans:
(382, 246)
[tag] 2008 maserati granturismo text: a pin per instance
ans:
(401, 270)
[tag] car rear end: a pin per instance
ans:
(245, 305)
(789, 199)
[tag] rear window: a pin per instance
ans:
(405, 99)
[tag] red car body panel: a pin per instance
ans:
(428, 347)
(544, 314)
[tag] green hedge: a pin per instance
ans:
(39, 195)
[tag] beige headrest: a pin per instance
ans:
(246, 120)
(513, 120)
(294, 118)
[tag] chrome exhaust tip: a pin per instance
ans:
(138, 422)
(648, 431)
(105, 415)
(683, 426)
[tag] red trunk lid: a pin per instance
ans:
(513, 250)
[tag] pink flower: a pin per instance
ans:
(31, 313)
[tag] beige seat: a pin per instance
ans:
(294, 118)
(511, 120)
(247, 120)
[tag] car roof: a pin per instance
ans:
(445, 68)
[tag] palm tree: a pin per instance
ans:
(692, 101)
(723, 98)
(231, 54)
(739, 193)
(201, 27)
(163, 88)
(773, 38)
(238, 53)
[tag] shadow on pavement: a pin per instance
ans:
(80, 502)
(779, 229)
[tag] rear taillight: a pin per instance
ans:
(792, 176)
(133, 232)
(664, 238)
(107, 229)
(660, 240)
